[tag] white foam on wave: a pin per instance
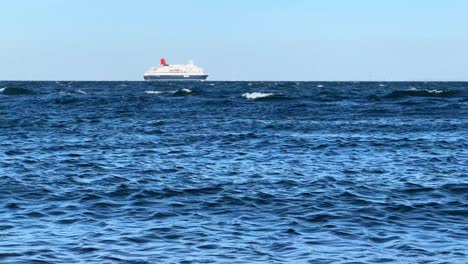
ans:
(426, 90)
(185, 90)
(155, 92)
(65, 93)
(435, 91)
(2, 89)
(74, 92)
(257, 95)
(320, 86)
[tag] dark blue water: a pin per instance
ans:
(233, 172)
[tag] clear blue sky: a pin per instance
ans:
(235, 40)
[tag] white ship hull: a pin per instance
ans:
(175, 77)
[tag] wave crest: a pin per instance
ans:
(155, 92)
(14, 90)
(175, 92)
(413, 92)
(258, 95)
(184, 91)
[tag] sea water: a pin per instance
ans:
(233, 172)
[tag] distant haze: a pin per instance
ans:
(333, 40)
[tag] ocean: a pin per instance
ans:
(233, 172)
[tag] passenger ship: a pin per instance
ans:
(175, 72)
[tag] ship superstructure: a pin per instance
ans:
(175, 72)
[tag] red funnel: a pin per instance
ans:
(163, 61)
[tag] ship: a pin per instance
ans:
(175, 72)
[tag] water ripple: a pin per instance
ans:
(245, 172)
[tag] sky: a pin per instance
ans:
(301, 40)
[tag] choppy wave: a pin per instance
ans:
(413, 92)
(260, 96)
(183, 91)
(158, 92)
(257, 95)
(79, 91)
(73, 92)
(15, 90)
